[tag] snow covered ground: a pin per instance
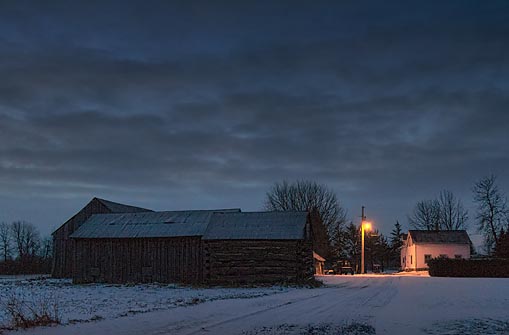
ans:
(370, 304)
(84, 303)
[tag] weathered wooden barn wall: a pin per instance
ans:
(139, 260)
(63, 246)
(195, 247)
(258, 261)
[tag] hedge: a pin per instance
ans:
(444, 267)
(24, 267)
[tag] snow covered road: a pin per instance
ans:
(346, 305)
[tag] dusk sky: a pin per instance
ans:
(197, 105)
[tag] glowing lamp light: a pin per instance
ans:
(367, 225)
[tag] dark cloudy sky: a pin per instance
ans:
(201, 105)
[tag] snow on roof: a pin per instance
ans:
(257, 226)
(147, 224)
(442, 236)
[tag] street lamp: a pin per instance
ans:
(364, 226)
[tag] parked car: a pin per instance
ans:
(344, 270)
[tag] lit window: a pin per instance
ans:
(427, 258)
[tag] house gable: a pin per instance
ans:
(422, 245)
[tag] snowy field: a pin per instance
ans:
(85, 303)
(376, 304)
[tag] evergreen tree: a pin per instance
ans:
(395, 245)
(502, 246)
(396, 236)
(352, 245)
(320, 239)
(337, 244)
(377, 249)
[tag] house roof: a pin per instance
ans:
(147, 224)
(116, 207)
(318, 257)
(440, 237)
(257, 226)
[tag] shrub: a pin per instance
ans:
(26, 313)
(33, 265)
(443, 267)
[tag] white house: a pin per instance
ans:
(419, 246)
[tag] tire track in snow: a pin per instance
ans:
(342, 303)
(255, 313)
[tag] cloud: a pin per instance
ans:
(391, 106)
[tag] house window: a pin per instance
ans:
(427, 258)
(443, 256)
(404, 260)
(411, 259)
(458, 257)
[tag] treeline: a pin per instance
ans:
(22, 250)
(384, 251)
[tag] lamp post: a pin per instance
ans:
(364, 226)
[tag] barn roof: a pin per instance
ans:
(219, 224)
(439, 237)
(256, 226)
(147, 224)
(115, 207)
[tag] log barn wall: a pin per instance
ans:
(258, 261)
(63, 246)
(139, 260)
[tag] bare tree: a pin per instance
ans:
(425, 215)
(26, 238)
(17, 228)
(492, 211)
(46, 251)
(5, 241)
(445, 213)
(451, 213)
(305, 196)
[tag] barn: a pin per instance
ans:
(224, 246)
(63, 245)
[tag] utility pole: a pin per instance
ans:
(363, 218)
